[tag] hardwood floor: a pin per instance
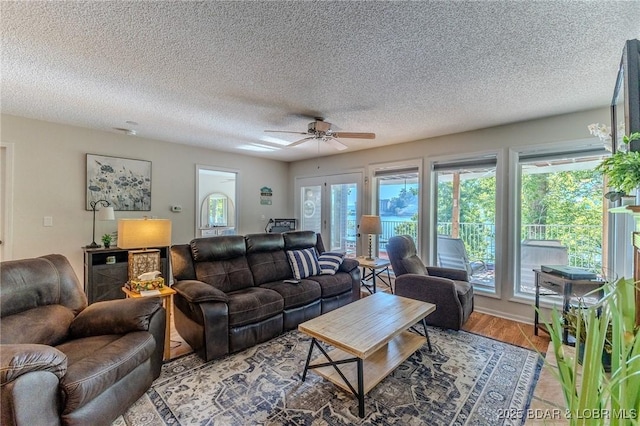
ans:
(508, 331)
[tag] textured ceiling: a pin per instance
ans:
(216, 74)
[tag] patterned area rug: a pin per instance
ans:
(466, 380)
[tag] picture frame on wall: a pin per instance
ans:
(125, 183)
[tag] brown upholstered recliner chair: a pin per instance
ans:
(449, 289)
(63, 362)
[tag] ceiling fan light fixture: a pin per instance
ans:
(321, 130)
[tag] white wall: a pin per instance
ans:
(557, 129)
(49, 180)
(50, 173)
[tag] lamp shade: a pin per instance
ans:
(106, 214)
(143, 233)
(370, 224)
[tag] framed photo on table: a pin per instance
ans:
(125, 183)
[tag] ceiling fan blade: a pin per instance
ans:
(354, 135)
(336, 143)
(286, 131)
(296, 143)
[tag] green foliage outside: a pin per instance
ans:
(565, 206)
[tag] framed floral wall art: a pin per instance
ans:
(123, 182)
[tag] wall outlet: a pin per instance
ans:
(176, 209)
(47, 221)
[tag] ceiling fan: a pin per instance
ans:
(320, 129)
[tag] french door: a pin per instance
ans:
(330, 205)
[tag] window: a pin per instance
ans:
(398, 204)
(465, 212)
(560, 213)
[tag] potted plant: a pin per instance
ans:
(622, 170)
(574, 323)
(592, 396)
(106, 240)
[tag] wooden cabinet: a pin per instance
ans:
(104, 280)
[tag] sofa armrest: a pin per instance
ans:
(115, 317)
(450, 273)
(348, 264)
(195, 291)
(19, 359)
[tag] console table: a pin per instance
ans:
(106, 271)
(558, 285)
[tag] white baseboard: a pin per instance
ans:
(518, 318)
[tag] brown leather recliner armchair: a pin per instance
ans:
(63, 362)
(449, 289)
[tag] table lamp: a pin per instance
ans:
(370, 224)
(103, 214)
(142, 234)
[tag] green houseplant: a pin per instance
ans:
(592, 396)
(622, 169)
(106, 240)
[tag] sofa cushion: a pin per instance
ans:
(97, 363)
(46, 325)
(330, 262)
(333, 285)
(42, 281)
(296, 240)
(267, 258)
(304, 263)
(217, 248)
(295, 295)
(225, 275)
(252, 305)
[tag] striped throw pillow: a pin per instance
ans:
(304, 263)
(330, 262)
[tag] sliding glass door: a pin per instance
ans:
(330, 205)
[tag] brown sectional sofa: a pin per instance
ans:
(232, 294)
(63, 362)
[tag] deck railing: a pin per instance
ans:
(583, 242)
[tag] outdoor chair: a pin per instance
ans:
(453, 254)
(448, 289)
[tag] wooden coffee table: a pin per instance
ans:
(370, 339)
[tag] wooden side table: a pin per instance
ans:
(166, 293)
(371, 269)
(558, 285)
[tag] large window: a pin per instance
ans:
(561, 214)
(398, 203)
(466, 218)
